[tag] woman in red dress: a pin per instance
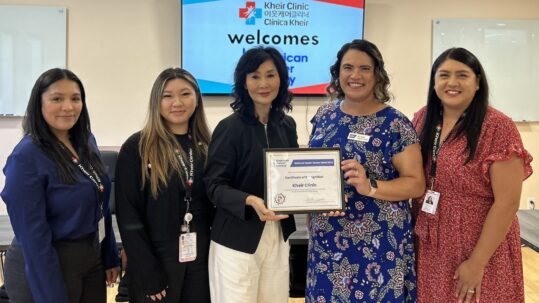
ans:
(468, 241)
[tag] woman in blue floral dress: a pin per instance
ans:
(366, 253)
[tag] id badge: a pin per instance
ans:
(101, 229)
(430, 203)
(359, 137)
(188, 247)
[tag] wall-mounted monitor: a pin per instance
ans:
(215, 33)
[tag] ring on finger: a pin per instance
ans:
(471, 290)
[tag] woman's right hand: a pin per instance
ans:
(158, 296)
(263, 213)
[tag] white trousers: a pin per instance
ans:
(262, 277)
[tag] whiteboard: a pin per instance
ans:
(32, 40)
(509, 53)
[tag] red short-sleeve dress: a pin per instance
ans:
(447, 238)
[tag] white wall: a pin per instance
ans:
(117, 48)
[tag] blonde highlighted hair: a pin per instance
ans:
(157, 142)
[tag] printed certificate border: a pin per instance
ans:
(339, 206)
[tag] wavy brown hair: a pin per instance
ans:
(157, 142)
(381, 88)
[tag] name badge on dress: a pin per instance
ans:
(430, 203)
(101, 229)
(359, 137)
(188, 247)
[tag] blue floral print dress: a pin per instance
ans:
(367, 255)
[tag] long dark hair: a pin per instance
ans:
(471, 123)
(381, 88)
(35, 126)
(157, 142)
(249, 62)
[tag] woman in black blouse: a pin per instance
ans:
(163, 213)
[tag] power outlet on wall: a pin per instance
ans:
(531, 202)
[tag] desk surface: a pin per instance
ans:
(529, 220)
(6, 232)
(529, 233)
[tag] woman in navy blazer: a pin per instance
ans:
(56, 192)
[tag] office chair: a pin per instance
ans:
(109, 158)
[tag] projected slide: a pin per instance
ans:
(308, 34)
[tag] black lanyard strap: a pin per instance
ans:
(90, 174)
(436, 145)
(189, 175)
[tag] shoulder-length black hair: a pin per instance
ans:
(472, 121)
(249, 62)
(35, 126)
(381, 88)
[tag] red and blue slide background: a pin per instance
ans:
(215, 33)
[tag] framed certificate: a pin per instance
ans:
(303, 180)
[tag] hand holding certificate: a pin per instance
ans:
(264, 214)
(303, 180)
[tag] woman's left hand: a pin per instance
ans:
(468, 275)
(112, 275)
(355, 175)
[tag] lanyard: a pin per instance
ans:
(436, 146)
(91, 174)
(189, 180)
(189, 175)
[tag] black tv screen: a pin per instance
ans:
(215, 33)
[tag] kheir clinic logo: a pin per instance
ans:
(250, 13)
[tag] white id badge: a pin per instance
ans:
(430, 203)
(359, 137)
(188, 247)
(101, 229)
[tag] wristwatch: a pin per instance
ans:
(374, 187)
